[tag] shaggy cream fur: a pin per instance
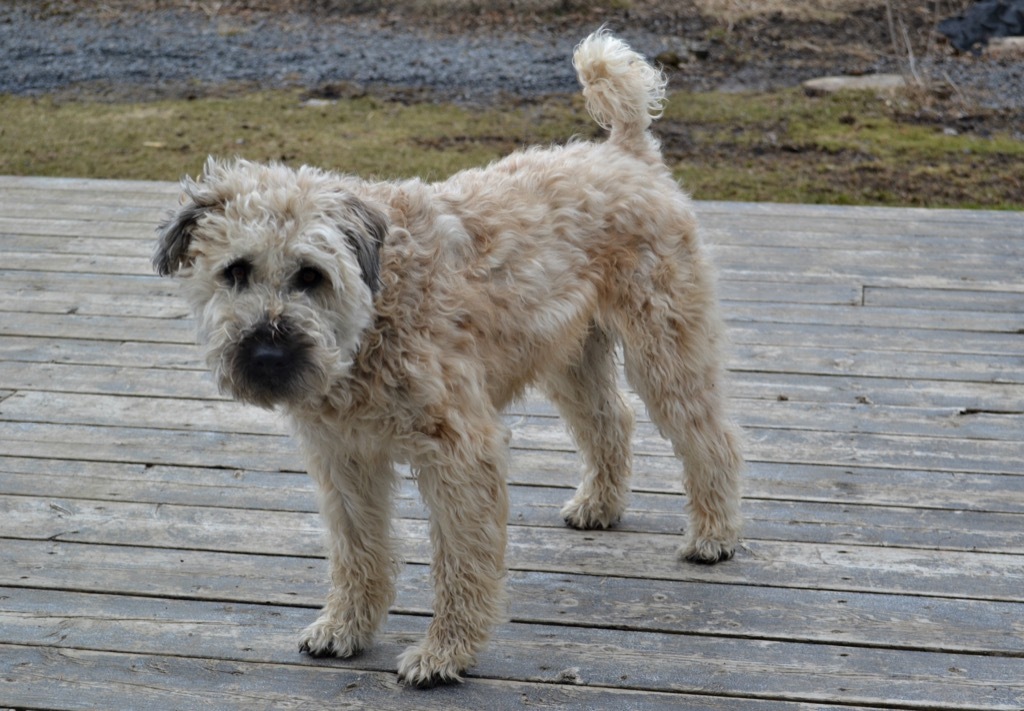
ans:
(393, 322)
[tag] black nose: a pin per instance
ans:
(269, 362)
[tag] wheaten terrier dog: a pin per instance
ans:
(392, 321)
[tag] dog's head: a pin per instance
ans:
(281, 267)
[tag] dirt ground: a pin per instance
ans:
(729, 46)
(724, 45)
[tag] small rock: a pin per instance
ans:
(327, 93)
(700, 51)
(868, 82)
(569, 676)
(682, 51)
(668, 59)
(1006, 48)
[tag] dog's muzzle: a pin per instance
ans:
(269, 364)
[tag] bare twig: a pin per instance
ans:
(912, 61)
(907, 49)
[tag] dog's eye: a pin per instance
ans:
(308, 278)
(237, 273)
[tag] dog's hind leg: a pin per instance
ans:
(601, 422)
(355, 502)
(672, 338)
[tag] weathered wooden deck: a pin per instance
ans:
(159, 547)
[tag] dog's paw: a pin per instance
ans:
(324, 638)
(422, 668)
(707, 551)
(585, 515)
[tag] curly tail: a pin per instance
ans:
(624, 93)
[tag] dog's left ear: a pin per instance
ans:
(175, 235)
(371, 227)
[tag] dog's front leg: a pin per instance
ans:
(461, 475)
(355, 502)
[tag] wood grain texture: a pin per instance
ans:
(160, 547)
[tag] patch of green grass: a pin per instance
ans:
(783, 146)
(851, 148)
(163, 140)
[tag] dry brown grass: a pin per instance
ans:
(785, 147)
(730, 12)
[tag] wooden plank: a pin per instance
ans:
(130, 231)
(529, 432)
(115, 221)
(15, 282)
(111, 481)
(639, 556)
(224, 525)
(180, 357)
(759, 371)
(134, 444)
(761, 333)
(739, 612)
(905, 220)
(76, 186)
(138, 208)
(900, 319)
(758, 218)
(28, 283)
(536, 652)
(99, 621)
(796, 375)
(76, 243)
(89, 680)
(907, 238)
(208, 415)
(923, 267)
(917, 424)
(82, 679)
(532, 651)
(72, 304)
(112, 328)
(908, 263)
(907, 366)
(780, 216)
(876, 339)
(750, 310)
(944, 299)
(124, 380)
(796, 292)
(934, 278)
(968, 395)
(533, 421)
(877, 268)
(94, 366)
(77, 264)
(292, 491)
(892, 374)
(807, 482)
(851, 448)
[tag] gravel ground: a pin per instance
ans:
(163, 53)
(165, 50)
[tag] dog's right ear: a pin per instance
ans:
(175, 235)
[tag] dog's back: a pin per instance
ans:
(624, 93)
